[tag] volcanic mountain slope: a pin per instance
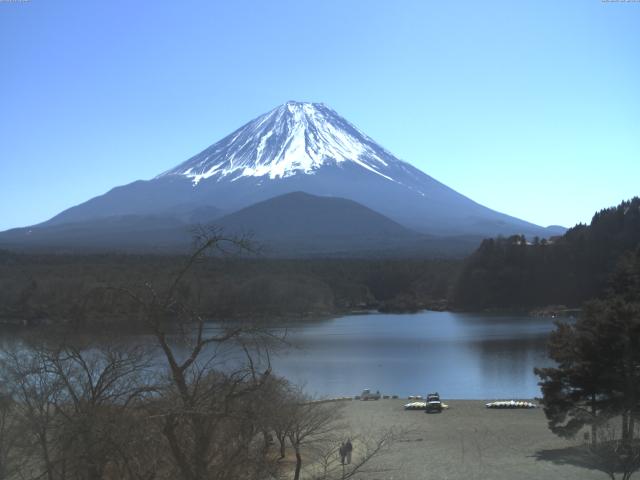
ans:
(302, 215)
(299, 223)
(304, 147)
(297, 147)
(291, 225)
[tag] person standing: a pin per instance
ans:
(343, 452)
(348, 449)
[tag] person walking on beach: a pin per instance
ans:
(348, 449)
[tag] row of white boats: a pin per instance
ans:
(511, 404)
(422, 405)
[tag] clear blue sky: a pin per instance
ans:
(530, 108)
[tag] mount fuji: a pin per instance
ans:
(296, 147)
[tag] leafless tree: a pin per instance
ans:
(312, 427)
(367, 447)
(204, 403)
(70, 403)
(280, 399)
(8, 436)
(98, 385)
(36, 394)
(613, 454)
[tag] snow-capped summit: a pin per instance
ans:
(301, 147)
(294, 138)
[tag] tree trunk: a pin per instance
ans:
(625, 429)
(594, 428)
(199, 433)
(296, 476)
(42, 438)
(179, 457)
(283, 445)
(93, 473)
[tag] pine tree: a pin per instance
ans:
(597, 376)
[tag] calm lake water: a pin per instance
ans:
(460, 355)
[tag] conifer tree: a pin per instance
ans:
(597, 376)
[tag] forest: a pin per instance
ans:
(517, 273)
(504, 273)
(55, 289)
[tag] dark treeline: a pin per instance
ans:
(504, 273)
(200, 404)
(512, 273)
(72, 288)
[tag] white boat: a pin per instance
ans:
(511, 404)
(415, 406)
(420, 406)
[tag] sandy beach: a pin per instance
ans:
(467, 441)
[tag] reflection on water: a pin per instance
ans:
(459, 355)
(478, 356)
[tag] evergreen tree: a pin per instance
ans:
(567, 270)
(575, 391)
(597, 376)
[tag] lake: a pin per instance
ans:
(460, 355)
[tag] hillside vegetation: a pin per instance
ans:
(85, 288)
(511, 273)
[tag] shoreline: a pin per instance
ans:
(17, 323)
(466, 441)
(406, 399)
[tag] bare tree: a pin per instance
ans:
(71, 401)
(317, 428)
(279, 400)
(203, 405)
(368, 447)
(312, 426)
(8, 436)
(615, 455)
(36, 393)
(98, 385)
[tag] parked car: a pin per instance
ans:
(434, 405)
(367, 395)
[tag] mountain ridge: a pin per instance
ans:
(302, 147)
(292, 225)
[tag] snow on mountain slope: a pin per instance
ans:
(303, 147)
(294, 138)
